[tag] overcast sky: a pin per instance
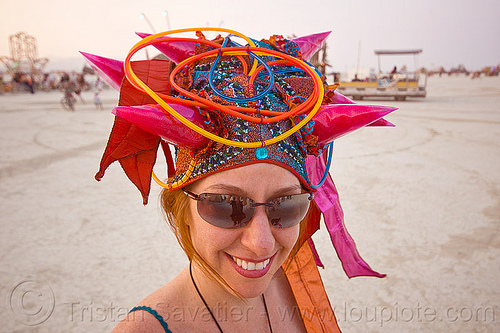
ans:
(449, 32)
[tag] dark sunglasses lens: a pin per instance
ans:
(289, 211)
(230, 212)
(225, 211)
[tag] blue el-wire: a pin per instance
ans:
(240, 100)
(327, 169)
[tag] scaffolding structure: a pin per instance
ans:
(24, 57)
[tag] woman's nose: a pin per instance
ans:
(257, 235)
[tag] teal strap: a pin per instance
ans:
(154, 313)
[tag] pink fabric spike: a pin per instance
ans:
(175, 51)
(311, 44)
(317, 259)
(327, 200)
(152, 119)
(382, 123)
(335, 120)
(338, 98)
(109, 70)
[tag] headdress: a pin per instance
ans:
(225, 105)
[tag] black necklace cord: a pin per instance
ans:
(210, 311)
(204, 302)
(267, 314)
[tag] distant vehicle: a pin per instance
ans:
(398, 84)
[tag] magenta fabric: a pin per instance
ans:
(109, 70)
(338, 98)
(327, 200)
(382, 123)
(152, 118)
(335, 120)
(317, 259)
(311, 44)
(175, 51)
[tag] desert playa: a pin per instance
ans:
(421, 200)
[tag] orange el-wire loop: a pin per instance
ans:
(278, 115)
(235, 51)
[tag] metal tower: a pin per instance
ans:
(24, 56)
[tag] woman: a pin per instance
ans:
(251, 126)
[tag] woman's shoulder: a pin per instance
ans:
(153, 313)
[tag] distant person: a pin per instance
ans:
(97, 101)
(25, 80)
(394, 71)
(98, 85)
(356, 79)
(64, 81)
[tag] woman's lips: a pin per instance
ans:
(251, 269)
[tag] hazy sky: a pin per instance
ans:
(449, 32)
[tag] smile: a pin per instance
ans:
(249, 265)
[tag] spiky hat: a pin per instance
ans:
(220, 110)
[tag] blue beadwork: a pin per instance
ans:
(261, 153)
(155, 314)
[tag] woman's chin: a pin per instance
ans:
(251, 288)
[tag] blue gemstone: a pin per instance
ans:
(261, 153)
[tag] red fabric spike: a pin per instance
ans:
(133, 147)
(154, 73)
(168, 157)
(136, 150)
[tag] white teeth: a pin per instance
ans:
(251, 266)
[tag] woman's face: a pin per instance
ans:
(248, 257)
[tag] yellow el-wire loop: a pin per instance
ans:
(178, 183)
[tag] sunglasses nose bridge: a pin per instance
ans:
(258, 235)
(266, 205)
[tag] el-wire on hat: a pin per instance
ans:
(225, 105)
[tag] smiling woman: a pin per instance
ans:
(251, 126)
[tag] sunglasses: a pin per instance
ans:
(232, 211)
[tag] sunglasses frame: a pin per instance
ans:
(201, 197)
